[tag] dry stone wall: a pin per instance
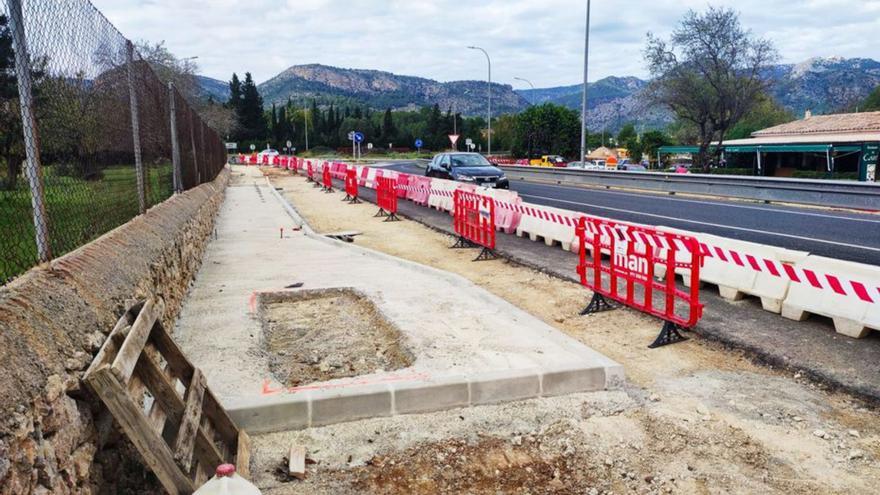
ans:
(54, 437)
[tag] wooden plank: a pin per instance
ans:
(243, 455)
(153, 450)
(130, 351)
(177, 362)
(296, 465)
(173, 405)
(189, 424)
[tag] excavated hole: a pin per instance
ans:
(318, 335)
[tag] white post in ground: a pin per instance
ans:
(175, 146)
(135, 130)
(33, 166)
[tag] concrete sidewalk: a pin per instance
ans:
(470, 347)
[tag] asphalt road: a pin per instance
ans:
(834, 234)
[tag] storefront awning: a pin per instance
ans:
(791, 148)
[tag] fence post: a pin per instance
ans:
(34, 169)
(192, 141)
(135, 130)
(175, 146)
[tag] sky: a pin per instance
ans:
(538, 40)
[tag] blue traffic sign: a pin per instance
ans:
(359, 137)
(419, 143)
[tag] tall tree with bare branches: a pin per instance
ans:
(709, 73)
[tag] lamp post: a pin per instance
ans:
(489, 93)
(525, 81)
(584, 97)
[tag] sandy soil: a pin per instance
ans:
(695, 418)
(328, 334)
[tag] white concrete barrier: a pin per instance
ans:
(507, 208)
(442, 192)
(741, 268)
(846, 292)
(551, 224)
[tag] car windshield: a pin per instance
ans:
(469, 161)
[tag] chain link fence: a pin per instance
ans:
(90, 136)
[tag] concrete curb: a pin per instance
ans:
(321, 407)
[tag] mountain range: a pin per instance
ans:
(822, 85)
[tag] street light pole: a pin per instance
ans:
(525, 81)
(489, 92)
(584, 97)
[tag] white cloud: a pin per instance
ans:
(541, 41)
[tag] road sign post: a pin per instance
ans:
(419, 144)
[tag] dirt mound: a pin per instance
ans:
(314, 336)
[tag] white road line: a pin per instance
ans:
(677, 219)
(714, 203)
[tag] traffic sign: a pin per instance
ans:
(289, 144)
(359, 137)
(469, 142)
(419, 143)
(369, 146)
(351, 135)
(253, 147)
(232, 146)
(453, 138)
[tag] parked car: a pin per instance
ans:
(579, 165)
(268, 152)
(548, 161)
(471, 168)
(633, 167)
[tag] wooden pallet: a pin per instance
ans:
(163, 403)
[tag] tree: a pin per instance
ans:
(547, 129)
(872, 102)
(708, 73)
(388, 131)
(182, 73)
(250, 114)
(767, 113)
(652, 141)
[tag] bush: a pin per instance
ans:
(731, 171)
(817, 174)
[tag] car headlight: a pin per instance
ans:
(465, 178)
(503, 177)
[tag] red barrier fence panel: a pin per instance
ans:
(310, 172)
(386, 198)
(327, 178)
(474, 222)
(351, 186)
(629, 275)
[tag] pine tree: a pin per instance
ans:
(251, 119)
(388, 131)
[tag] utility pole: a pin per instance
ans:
(489, 92)
(584, 97)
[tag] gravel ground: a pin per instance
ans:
(315, 336)
(694, 418)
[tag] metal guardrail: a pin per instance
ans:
(840, 194)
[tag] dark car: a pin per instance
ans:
(471, 168)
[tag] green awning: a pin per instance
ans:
(673, 150)
(790, 148)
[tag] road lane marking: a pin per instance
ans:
(696, 222)
(714, 203)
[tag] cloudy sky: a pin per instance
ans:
(540, 40)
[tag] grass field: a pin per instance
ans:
(78, 211)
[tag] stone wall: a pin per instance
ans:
(53, 437)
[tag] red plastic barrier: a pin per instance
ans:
(310, 171)
(633, 251)
(403, 181)
(386, 198)
(327, 178)
(351, 186)
(474, 222)
(419, 189)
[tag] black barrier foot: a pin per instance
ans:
(354, 200)
(328, 189)
(380, 213)
(347, 198)
(462, 243)
(668, 335)
(486, 254)
(597, 304)
(392, 218)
